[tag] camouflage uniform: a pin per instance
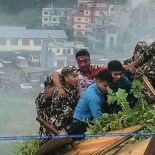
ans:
(147, 66)
(43, 108)
(62, 109)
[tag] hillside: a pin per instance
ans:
(28, 12)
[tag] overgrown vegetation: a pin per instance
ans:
(142, 114)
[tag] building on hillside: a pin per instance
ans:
(59, 54)
(102, 36)
(15, 39)
(85, 12)
(54, 16)
(102, 33)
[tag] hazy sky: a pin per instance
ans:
(134, 3)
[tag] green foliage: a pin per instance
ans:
(142, 114)
(28, 147)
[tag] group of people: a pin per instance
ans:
(8, 84)
(74, 95)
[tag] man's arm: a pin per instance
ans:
(40, 103)
(95, 105)
(57, 81)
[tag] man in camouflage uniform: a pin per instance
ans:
(62, 108)
(128, 70)
(43, 107)
(145, 63)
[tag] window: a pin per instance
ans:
(69, 51)
(54, 19)
(45, 13)
(78, 26)
(45, 25)
(78, 19)
(2, 41)
(45, 19)
(25, 42)
(58, 50)
(86, 19)
(14, 42)
(37, 42)
(86, 26)
(59, 13)
(86, 12)
(64, 51)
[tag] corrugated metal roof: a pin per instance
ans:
(22, 32)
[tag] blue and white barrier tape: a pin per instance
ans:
(77, 136)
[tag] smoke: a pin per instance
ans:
(17, 116)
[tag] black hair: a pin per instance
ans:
(82, 52)
(115, 65)
(105, 75)
(49, 81)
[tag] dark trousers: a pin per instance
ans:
(78, 128)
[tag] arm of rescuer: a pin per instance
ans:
(57, 80)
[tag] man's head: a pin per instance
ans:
(104, 79)
(48, 86)
(70, 75)
(139, 49)
(116, 69)
(83, 60)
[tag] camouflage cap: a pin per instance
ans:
(141, 47)
(152, 46)
(69, 70)
(49, 80)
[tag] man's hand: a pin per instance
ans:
(49, 93)
(62, 93)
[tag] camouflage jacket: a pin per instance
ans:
(43, 106)
(148, 64)
(62, 109)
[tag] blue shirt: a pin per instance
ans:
(90, 104)
(124, 83)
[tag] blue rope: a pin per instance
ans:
(9, 138)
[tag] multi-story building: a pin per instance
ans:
(102, 34)
(59, 54)
(53, 16)
(85, 12)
